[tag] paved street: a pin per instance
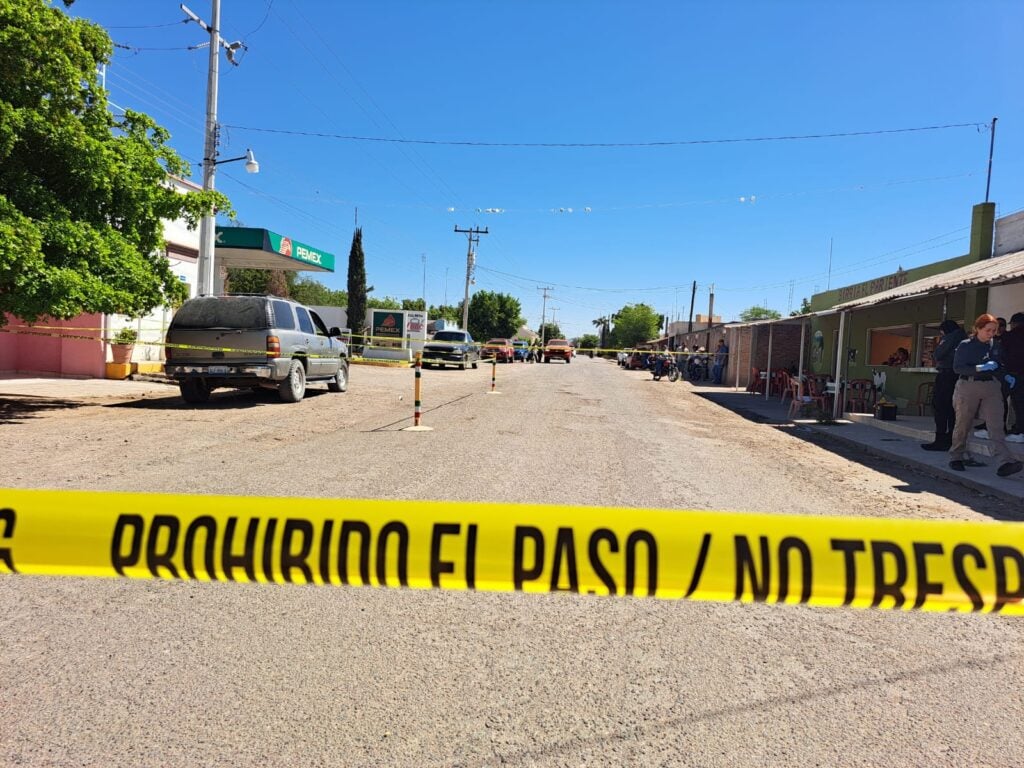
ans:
(145, 673)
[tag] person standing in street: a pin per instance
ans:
(945, 383)
(978, 390)
(721, 358)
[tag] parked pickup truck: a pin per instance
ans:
(557, 349)
(257, 342)
(451, 348)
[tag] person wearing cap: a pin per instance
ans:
(1013, 359)
(945, 383)
(980, 371)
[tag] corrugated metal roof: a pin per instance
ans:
(1002, 269)
(793, 319)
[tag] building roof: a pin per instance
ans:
(995, 271)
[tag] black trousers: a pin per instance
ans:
(1017, 396)
(942, 404)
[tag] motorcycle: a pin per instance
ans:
(667, 368)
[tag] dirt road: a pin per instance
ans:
(138, 673)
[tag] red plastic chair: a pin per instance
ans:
(860, 396)
(756, 384)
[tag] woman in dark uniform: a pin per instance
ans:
(978, 390)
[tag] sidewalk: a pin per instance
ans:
(898, 440)
(79, 389)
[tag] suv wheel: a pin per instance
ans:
(194, 391)
(464, 364)
(340, 381)
(293, 388)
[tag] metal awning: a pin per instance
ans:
(251, 248)
(995, 271)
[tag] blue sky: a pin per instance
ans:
(554, 71)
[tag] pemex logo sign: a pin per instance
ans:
(387, 324)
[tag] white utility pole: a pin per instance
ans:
(473, 235)
(208, 224)
(543, 312)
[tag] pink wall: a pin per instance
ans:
(56, 354)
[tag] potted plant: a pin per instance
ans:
(122, 345)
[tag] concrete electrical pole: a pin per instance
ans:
(208, 224)
(543, 312)
(473, 236)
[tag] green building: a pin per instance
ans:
(894, 331)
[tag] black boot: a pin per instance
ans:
(941, 443)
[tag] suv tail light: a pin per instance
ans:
(273, 346)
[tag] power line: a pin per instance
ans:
(609, 145)
(260, 25)
(152, 26)
(139, 48)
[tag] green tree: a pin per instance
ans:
(549, 331)
(310, 291)
(384, 302)
(494, 315)
(587, 341)
(82, 193)
(602, 323)
(759, 313)
(417, 305)
(357, 290)
(634, 324)
(805, 307)
(247, 281)
(448, 312)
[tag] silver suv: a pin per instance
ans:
(260, 342)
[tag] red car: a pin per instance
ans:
(500, 349)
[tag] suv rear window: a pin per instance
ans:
(305, 324)
(232, 312)
(283, 317)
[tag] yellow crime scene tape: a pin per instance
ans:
(669, 554)
(157, 343)
(36, 330)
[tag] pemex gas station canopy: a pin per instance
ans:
(252, 248)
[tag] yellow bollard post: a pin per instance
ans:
(494, 373)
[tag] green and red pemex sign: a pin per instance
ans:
(265, 240)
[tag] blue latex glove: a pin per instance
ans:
(1010, 380)
(991, 365)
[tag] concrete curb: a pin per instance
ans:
(834, 433)
(960, 478)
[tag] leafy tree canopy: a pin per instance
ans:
(288, 284)
(634, 324)
(587, 341)
(494, 315)
(549, 331)
(805, 307)
(383, 302)
(759, 313)
(82, 193)
(448, 312)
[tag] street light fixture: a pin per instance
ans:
(251, 165)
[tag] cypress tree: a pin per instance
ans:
(357, 284)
